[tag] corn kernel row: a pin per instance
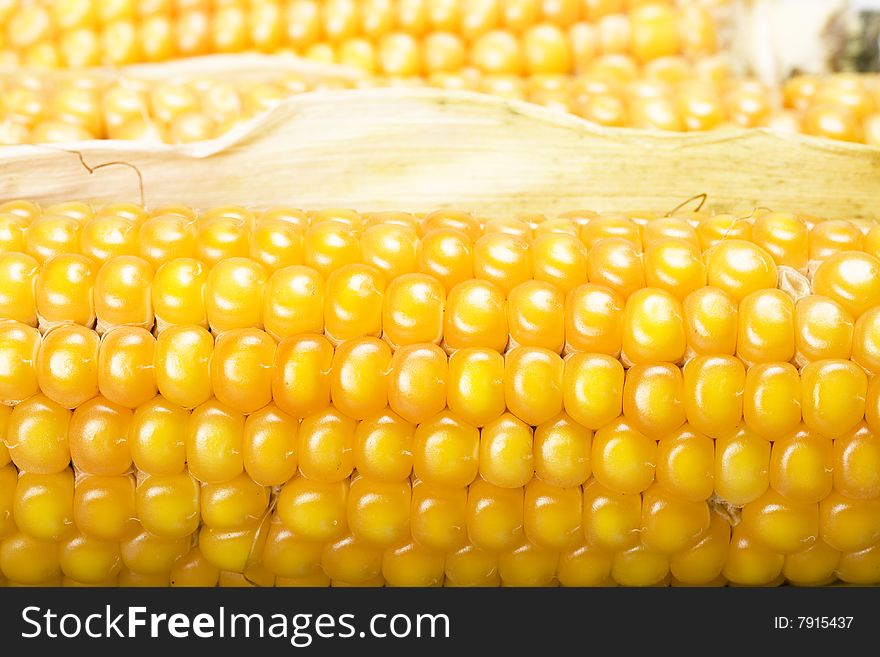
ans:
(367, 533)
(398, 37)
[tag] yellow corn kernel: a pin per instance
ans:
(125, 366)
(214, 442)
(780, 524)
(8, 483)
(593, 389)
(447, 255)
(293, 302)
(856, 464)
(502, 259)
(27, 210)
(533, 384)
(850, 278)
(19, 350)
(766, 327)
(584, 565)
(50, 235)
(740, 268)
(390, 247)
(599, 228)
(166, 237)
(742, 466)
(417, 382)
(616, 263)
(847, 524)
(98, 437)
(772, 399)
(229, 550)
(652, 399)
(12, 231)
(561, 260)
(475, 388)
(494, 516)
(784, 236)
(178, 293)
(108, 236)
(276, 243)
(241, 369)
(353, 303)
(475, 317)
(235, 504)
(63, 290)
(122, 293)
(860, 567)
(833, 394)
(535, 314)
(713, 229)
(104, 507)
(834, 236)
(89, 560)
(287, 555)
(710, 317)
(526, 564)
(439, 516)
(750, 562)
(43, 504)
(223, 233)
(129, 578)
(37, 435)
(352, 561)
(168, 505)
(623, 458)
(653, 327)
(315, 580)
(472, 566)
(446, 451)
(670, 524)
(270, 446)
(326, 445)
(685, 464)
(813, 566)
(594, 319)
(506, 452)
(182, 365)
(234, 294)
(412, 310)
(713, 394)
(193, 570)
(411, 564)
(801, 466)
(29, 560)
(639, 566)
(552, 515)
(359, 377)
(17, 296)
(329, 246)
(675, 266)
(562, 451)
(383, 447)
(314, 510)
(703, 560)
(866, 341)
(67, 364)
(301, 374)
(379, 512)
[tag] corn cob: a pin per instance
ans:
(393, 37)
(311, 398)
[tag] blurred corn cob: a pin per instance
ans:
(365, 399)
(391, 37)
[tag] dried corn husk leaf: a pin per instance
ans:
(422, 149)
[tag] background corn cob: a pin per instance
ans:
(393, 37)
(588, 399)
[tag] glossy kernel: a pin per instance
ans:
(852, 279)
(182, 365)
(685, 464)
(475, 317)
(623, 458)
(742, 466)
(214, 442)
(412, 310)
(772, 399)
(593, 389)
(446, 451)
(801, 466)
(653, 327)
(353, 303)
(270, 446)
(594, 319)
(301, 374)
(833, 394)
(326, 445)
(475, 388)
(126, 374)
(740, 268)
(652, 399)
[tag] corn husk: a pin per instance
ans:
(422, 149)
